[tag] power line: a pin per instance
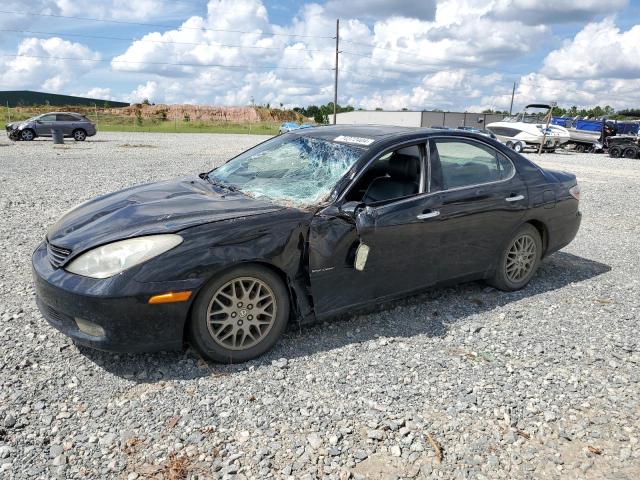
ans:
(158, 25)
(203, 65)
(101, 37)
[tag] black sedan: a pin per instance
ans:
(303, 226)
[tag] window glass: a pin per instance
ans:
(48, 118)
(465, 163)
(394, 175)
(63, 117)
(297, 170)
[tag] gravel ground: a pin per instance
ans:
(464, 382)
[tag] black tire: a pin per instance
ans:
(509, 144)
(27, 135)
(517, 147)
(79, 135)
(579, 148)
(615, 152)
(502, 279)
(199, 332)
(630, 152)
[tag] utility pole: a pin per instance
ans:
(335, 85)
(513, 93)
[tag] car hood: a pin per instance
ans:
(163, 207)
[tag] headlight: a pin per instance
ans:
(108, 260)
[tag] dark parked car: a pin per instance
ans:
(73, 125)
(305, 225)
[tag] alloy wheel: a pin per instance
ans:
(27, 135)
(241, 313)
(521, 258)
(79, 135)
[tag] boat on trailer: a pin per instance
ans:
(530, 129)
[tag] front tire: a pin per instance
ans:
(517, 147)
(615, 152)
(27, 135)
(519, 260)
(239, 315)
(79, 135)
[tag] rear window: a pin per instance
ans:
(466, 163)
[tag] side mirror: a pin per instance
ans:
(351, 208)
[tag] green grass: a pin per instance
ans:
(113, 123)
(190, 127)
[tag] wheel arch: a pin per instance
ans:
(542, 229)
(288, 282)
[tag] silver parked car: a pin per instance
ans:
(73, 125)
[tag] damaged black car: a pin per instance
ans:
(301, 227)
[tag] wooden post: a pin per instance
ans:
(96, 110)
(8, 113)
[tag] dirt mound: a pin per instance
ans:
(208, 113)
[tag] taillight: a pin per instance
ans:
(575, 191)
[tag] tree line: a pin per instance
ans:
(321, 113)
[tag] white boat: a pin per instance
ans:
(529, 129)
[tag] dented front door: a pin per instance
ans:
(402, 237)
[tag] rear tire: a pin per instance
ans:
(79, 135)
(518, 147)
(579, 149)
(27, 135)
(519, 260)
(509, 145)
(239, 315)
(630, 152)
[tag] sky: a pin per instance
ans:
(414, 54)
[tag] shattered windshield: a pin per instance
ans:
(291, 169)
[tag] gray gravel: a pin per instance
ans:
(463, 382)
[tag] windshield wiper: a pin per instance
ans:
(217, 183)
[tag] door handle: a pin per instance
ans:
(431, 214)
(515, 199)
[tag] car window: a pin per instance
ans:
(47, 118)
(63, 117)
(392, 176)
(464, 163)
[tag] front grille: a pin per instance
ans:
(57, 256)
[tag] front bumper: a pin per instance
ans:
(118, 305)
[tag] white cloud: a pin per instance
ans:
(378, 9)
(599, 50)
(298, 69)
(395, 55)
(107, 9)
(148, 91)
(32, 67)
(539, 12)
(98, 93)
